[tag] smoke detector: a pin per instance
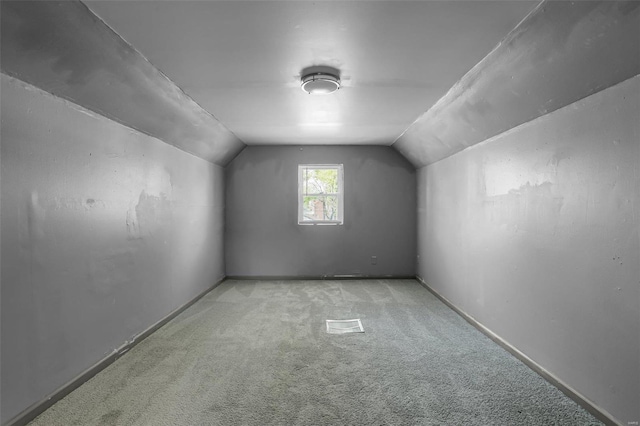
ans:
(320, 83)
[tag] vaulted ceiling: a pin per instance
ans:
(428, 77)
(241, 61)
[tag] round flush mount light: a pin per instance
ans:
(320, 83)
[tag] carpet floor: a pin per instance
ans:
(257, 353)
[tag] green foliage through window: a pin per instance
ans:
(320, 193)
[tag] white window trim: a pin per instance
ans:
(340, 195)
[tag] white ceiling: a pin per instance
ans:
(241, 60)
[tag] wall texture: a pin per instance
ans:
(535, 234)
(264, 239)
(105, 231)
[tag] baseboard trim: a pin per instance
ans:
(599, 413)
(38, 408)
(319, 277)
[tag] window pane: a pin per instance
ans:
(331, 207)
(320, 207)
(320, 181)
(308, 208)
(320, 192)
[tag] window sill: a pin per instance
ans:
(323, 222)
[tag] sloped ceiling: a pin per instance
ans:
(241, 60)
(63, 48)
(564, 51)
(428, 77)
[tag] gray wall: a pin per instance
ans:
(535, 233)
(264, 239)
(105, 231)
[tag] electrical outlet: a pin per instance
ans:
(374, 260)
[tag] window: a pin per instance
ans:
(320, 194)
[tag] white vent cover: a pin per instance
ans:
(344, 326)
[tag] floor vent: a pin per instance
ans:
(344, 326)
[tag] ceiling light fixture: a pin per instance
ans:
(320, 83)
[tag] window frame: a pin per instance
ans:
(339, 194)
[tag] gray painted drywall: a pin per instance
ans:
(262, 235)
(63, 48)
(535, 233)
(562, 52)
(105, 231)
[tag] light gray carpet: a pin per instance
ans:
(257, 353)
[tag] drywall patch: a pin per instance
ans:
(133, 230)
(530, 208)
(36, 215)
(153, 214)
